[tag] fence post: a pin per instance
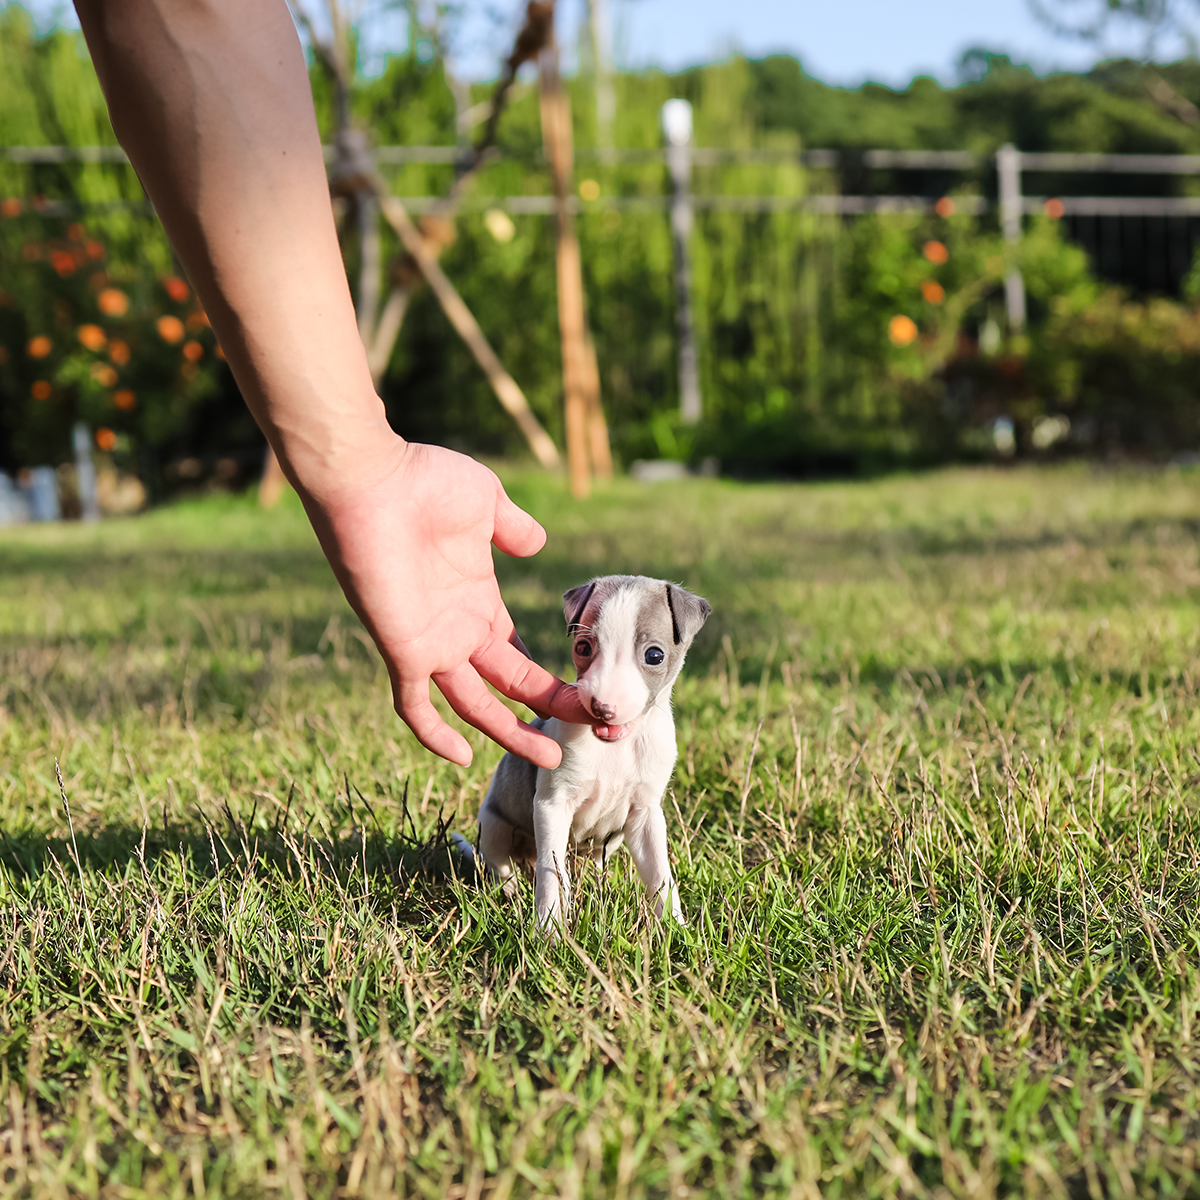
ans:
(85, 471)
(1008, 168)
(677, 126)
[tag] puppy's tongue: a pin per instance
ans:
(611, 733)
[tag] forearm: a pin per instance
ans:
(211, 100)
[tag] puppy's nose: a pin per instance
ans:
(603, 712)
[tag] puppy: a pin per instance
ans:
(630, 635)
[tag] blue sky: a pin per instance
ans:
(844, 41)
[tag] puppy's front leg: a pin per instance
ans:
(551, 888)
(646, 836)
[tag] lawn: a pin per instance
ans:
(934, 821)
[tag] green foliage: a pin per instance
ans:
(795, 312)
(1126, 370)
(934, 821)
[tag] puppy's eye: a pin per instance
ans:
(654, 656)
(583, 648)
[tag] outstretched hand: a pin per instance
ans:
(410, 542)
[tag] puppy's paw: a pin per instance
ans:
(549, 926)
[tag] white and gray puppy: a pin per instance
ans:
(630, 635)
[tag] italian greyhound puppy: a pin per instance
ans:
(630, 635)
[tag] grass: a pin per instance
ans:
(935, 825)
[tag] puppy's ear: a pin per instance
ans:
(688, 613)
(575, 601)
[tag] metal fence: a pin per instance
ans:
(1146, 241)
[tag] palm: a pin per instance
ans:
(412, 549)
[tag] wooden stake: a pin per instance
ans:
(580, 378)
(597, 427)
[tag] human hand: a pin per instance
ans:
(212, 103)
(410, 542)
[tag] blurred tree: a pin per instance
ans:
(94, 322)
(1152, 22)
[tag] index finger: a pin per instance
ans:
(469, 697)
(520, 678)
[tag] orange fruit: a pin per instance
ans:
(103, 374)
(902, 330)
(936, 252)
(125, 399)
(92, 337)
(193, 351)
(933, 292)
(94, 249)
(105, 438)
(1054, 209)
(119, 352)
(944, 207)
(39, 347)
(63, 261)
(113, 302)
(170, 329)
(176, 288)
(40, 390)
(10, 207)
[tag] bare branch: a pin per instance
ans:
(1170, 101)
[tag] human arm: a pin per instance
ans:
(211, 100)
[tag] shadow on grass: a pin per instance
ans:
(196, 572)
(339, 856)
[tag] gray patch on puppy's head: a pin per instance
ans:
(668, 620)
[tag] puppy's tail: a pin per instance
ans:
(467, 853)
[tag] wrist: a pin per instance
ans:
(337, 458)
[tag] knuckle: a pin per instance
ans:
(420, 718)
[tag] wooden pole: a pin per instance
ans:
(503, 384)
(597, 427)
(370, 267)
(579, 375)
(273, 482)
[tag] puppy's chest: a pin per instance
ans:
(601, 788)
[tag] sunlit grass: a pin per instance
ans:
(934, 822)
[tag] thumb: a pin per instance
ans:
(515, 531)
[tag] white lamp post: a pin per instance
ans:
(677, 129)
